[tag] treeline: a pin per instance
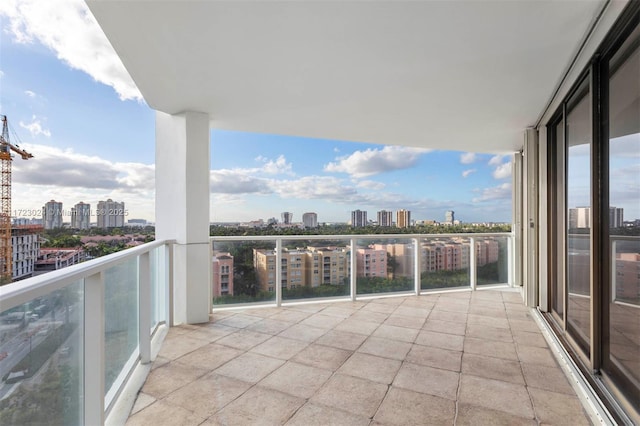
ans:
(222, 231)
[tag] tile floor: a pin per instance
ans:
(467, 358)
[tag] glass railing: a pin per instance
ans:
(69, 339)
(281, 269)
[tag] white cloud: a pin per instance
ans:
(35, 127)
(500, 192)
(374, 161)
(370, 184)
(502, 171)
(1, 73)
(237, 181)
(67, 169)
(467, 158)
(30, 94)
(275, 167)
(496, 160)
(68, 28)
(466, 173)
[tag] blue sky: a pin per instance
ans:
(72, 105)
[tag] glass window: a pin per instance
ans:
(578, 193)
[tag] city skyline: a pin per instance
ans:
(92, 137)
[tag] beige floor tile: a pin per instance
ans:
(159, 362)
(427, 380)
(339, 311)
(403, 407)
(291, 315)
(435, 357)
(163, 413)
(170, 377)
(408, 311)
(357, 326)
(321, 356)
(558, 409)
(270, 405)
(524, 325)
(440, 340)
(481, 320)
(393, 332)
(269, 326)
(280, 347)
(235, 417)
(446, 327)
(243, 339)
(317, 415)
(379, 307)
(529, 339)
(535, 355)
(322, 321)
(495, 310)
(492, 368)
(342, 340)
(142, 401)
(208, 394)
(209, 357)
(211, 334)
(447, 316)
(370, 367)
(303, 332)
(352, 394)
(496, 395)
(295, 379)
(370, 316)
(249, 367)
(489, 333)
(177, 345)
(547, 378)
(512, 297)
(492, 348)
(409, 322)
(239, 320)
(385, 348)
(472, 415)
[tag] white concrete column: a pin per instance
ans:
(182, 209)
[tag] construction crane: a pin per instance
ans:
(6, 257)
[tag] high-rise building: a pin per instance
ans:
(403, 218)
(579, 217)
(358, 218)
(81, 216)
(52, 215)
(385, 218)
(616, 217)
(449, 217)
(310, 220)
(371, 262)
(110, 214)
(287, 218)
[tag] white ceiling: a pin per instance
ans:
(463, 75)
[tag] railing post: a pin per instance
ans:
(473, 273)
(169, 289)
(510, 261)
(353, 271)
(416, 266)
(279, 272)
(144, 307)
(94, 354)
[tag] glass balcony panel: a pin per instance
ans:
(153, 262)
(159, 285)
(307, 262)
(249, 266)
(492, 260)
(121, 318)
(444, 263)
(393, 270)
(41, 359)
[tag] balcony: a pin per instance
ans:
(398, 357)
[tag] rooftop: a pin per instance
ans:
(451, 358)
